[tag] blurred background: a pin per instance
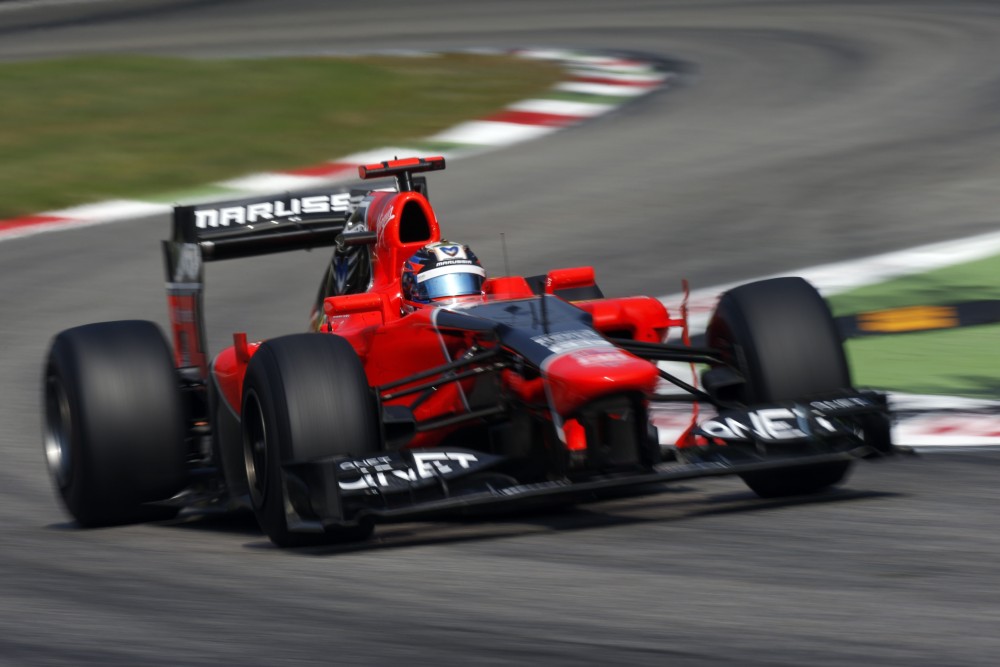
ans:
(794, 135)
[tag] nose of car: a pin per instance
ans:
(578, 377)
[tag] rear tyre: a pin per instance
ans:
(781, 336)
(113, 425)
(305, 397)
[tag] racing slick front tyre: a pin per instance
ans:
(305, 397)
(113, 425)
(781, 336)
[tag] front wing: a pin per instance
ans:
(443, 482)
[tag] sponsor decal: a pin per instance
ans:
(404, 471)
(271, 211)
(454, 262)
(771, 424)
(565, 341)
(449, 267)
(847, 403)
(537, 486)
(601, 357)
(384, 218)
(183, 312)
(188, 269)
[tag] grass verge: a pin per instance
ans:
(86, 129)
(961, 362)
(956, 362)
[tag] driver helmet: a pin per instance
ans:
(442, 271)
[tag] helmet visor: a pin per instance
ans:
(451, 284)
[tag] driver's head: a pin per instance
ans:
(441, 271)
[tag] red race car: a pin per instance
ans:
(427, 388)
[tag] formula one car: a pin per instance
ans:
(426, 389)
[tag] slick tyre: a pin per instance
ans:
(113, 424)
(305, 397)
(781, 336)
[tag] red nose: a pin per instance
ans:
(578, 377)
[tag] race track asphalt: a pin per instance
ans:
(805, 132)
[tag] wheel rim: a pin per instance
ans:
(255, 444)
(58, 430)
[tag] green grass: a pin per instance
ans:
(959, 362)
(962, 362)
(953, 284)
(87, 129)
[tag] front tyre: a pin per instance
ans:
(113, 423)
(780, 335)
(305, 397)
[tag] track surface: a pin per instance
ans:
(812, 132)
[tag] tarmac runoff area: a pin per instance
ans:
(597, 84)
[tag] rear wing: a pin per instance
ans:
(263, 225)
(258, 226)
(235, 229)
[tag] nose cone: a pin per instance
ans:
(578, 377)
